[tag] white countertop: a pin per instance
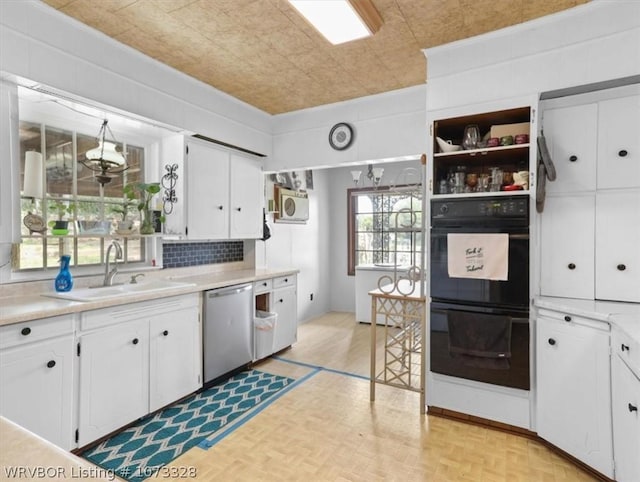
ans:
(14, 309)
(625, 316)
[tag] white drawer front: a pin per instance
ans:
(135, 311)
(627, 349)
(262, 286)
(28, 331)
(282, 281)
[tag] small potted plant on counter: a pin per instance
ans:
(60, 227)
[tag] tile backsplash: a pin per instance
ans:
(179, 255)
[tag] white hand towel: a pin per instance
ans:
(480, 256)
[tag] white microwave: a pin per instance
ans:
(293, 206)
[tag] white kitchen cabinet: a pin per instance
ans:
(567, 249)
(129, 367)
(284, 303)
(626, 421)
(573, 387)
(175, 356)
(246, 183)
(617, 244)
(207, 192)
(114, 378)
(619, 143)
(219, 193)
(571, 136)
(36, 377)
(590, 226)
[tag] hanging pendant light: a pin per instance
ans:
(104, 158)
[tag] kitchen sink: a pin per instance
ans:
(106, 292)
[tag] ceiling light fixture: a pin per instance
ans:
(340, 21)
(105, 158)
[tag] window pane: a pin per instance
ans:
(89, 251)
(364, 257)
(56, 247)
(30, 253)
(364, 222)
(59, 162)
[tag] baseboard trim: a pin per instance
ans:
(505, 427)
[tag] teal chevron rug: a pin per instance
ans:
(141, 451)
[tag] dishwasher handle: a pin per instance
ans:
(231, 290)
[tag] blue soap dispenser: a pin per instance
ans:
(64, 280)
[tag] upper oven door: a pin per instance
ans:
(512, 293)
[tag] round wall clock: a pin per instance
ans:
(341, 136)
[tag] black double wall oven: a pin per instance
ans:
(479, 328)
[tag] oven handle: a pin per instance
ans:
(514, 319)
(511, 236)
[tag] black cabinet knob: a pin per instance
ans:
(281, 300)
(220, 208)
(621, 267)
(633, 408)
(286, 280)
(135, 341)
(165, 332)
(571, 266)
(26, 331)
(264, 284)
(51, 363)
(567, 318)
(624, 347)
(552, 341)
(238, 209)
(573, 158)
(622, 153)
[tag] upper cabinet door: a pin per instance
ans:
(619, 143)
(571, 135)
(247, 194)
(207, 192)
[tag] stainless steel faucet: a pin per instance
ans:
(109, 275)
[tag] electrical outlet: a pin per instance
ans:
(311, 297)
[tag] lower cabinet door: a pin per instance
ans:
(175, 360)
(626, 422)
(37, 388)
(114, 378)
(573, 391)
(286, 329)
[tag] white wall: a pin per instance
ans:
(387, 126)
(305, 247)
(594, 42)
(41, 44)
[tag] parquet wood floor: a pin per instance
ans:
(325, 428)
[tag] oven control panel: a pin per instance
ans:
(480, 208)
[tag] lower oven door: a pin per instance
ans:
(479, 343)
(512, 293)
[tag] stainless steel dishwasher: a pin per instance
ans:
(228, 330)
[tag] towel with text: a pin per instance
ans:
(479, 256)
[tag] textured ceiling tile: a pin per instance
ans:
(540, 8)
(264, 52)
(94, 15)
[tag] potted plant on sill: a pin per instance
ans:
(125, 225)
(60, 227)
(144, 192)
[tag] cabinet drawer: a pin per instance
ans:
(34, 330)
(282, 281)
(627, 349)
(570, 318)
(90, 320)
(262, 286)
